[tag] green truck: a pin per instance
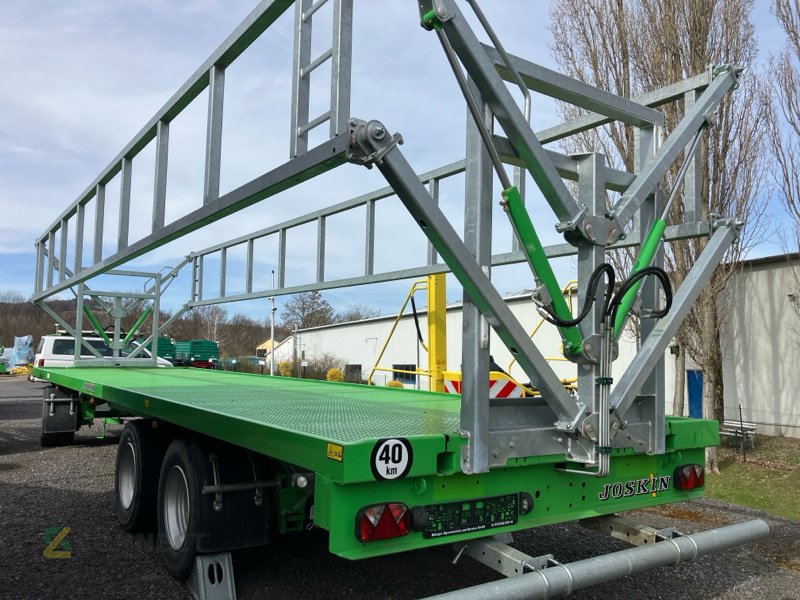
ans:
(215, 461)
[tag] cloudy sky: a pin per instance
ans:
(80, 79)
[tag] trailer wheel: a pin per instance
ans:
(178, 507)
(139, 456)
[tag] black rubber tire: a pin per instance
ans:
(181, 455)
(52, 440)
(145, 444)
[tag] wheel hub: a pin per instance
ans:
(176, 507)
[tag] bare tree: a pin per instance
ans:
(242, 335)
(204, 322)
(633, 46)
(213, 318)
(307, 309)
(784, 126)
(12, 297)
(357, 312)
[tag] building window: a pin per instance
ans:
(409, 378)
(352, 373)
(261, 352)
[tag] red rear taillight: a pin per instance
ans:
(382, 522)
(40, 363)
(689, 477)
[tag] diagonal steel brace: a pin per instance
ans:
(371, 139)
(646, 181)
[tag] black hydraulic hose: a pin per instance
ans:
(416, 319)
(659, 274)
(613, 301)
(591, 293)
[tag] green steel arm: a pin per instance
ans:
(96, 324)
(534, 252)
(138, 324)
(644, 259)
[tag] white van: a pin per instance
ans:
(59, 351)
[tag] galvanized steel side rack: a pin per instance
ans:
(564, 424)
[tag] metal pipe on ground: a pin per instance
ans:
(564, 579)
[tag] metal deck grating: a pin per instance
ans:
(340, 412)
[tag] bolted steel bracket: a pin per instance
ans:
(215, 474)
(590, 427)
(258, 499)
(433, 14)
(597, 230)
(498, 555)
(590, 350)
(629, 531)
(369, 142)
(574, 224)
(571, 426)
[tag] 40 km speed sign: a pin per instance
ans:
(391, 458)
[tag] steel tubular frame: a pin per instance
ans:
(495, 433)
(590, 228)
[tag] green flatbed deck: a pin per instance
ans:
(337, 430)
(290, 419)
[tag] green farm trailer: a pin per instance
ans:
(166, 349)
(214, 461)
(196, 353)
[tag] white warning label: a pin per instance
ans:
(391, 458)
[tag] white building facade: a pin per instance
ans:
(761, 344)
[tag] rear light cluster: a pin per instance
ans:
(382, 522)
(689, 477)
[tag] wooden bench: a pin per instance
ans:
(742, 431)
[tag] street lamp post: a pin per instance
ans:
(272, 329)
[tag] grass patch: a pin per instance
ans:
(768, 481)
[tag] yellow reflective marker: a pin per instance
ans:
(335, 452)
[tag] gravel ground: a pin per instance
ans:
(44, 490)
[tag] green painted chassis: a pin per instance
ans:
(332, 428)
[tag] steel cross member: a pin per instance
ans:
(647, 180)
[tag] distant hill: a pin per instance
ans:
(18, 316)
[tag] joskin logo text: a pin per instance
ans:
(635, 487)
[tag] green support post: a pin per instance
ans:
(538, 262)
